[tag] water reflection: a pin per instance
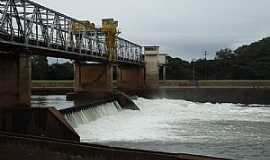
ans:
(57, 101)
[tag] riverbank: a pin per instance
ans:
(52, 83)
(52, 87)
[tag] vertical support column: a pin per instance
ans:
(152, 71)
(131, 78)
(93, 77)
(15, 80)
(164, 73)
(25, 80)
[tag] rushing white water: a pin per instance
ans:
(161, 120)
(92, 113)
(224, 130)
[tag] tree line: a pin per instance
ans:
(248, 62)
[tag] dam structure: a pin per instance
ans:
(28, 28)
(112, 74)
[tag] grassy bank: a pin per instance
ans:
(52, 83)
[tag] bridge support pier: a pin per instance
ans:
(93, 77)
(15, 80)
(130, 78)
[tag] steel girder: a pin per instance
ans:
(28, 23)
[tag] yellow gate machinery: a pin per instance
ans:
(109, 27)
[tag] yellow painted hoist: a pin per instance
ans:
(109, 27)
(82, 26)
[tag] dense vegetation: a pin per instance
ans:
(249, 62)
(41, 70)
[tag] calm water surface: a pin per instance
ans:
(57, 101)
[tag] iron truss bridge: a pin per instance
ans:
(28, 27)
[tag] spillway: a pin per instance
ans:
(92, 113)
(222, 130)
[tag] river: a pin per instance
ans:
(232, 131)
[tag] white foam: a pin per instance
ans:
(92, 113)
(171, 120)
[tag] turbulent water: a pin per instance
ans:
(92, 113)
(178, 126)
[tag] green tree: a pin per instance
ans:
(178, 69)
(64, 71)
(39, 68)
(225, 54)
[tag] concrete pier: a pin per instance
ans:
(98, 78)
(130, 78)
(15, 80)
(93, 77)
(45, 122)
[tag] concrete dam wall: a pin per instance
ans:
(213, 94)
(14, 146)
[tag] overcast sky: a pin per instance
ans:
(183, 28)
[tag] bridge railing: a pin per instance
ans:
(127, 50)
(28, 23)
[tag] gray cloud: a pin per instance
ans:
(183, 28)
